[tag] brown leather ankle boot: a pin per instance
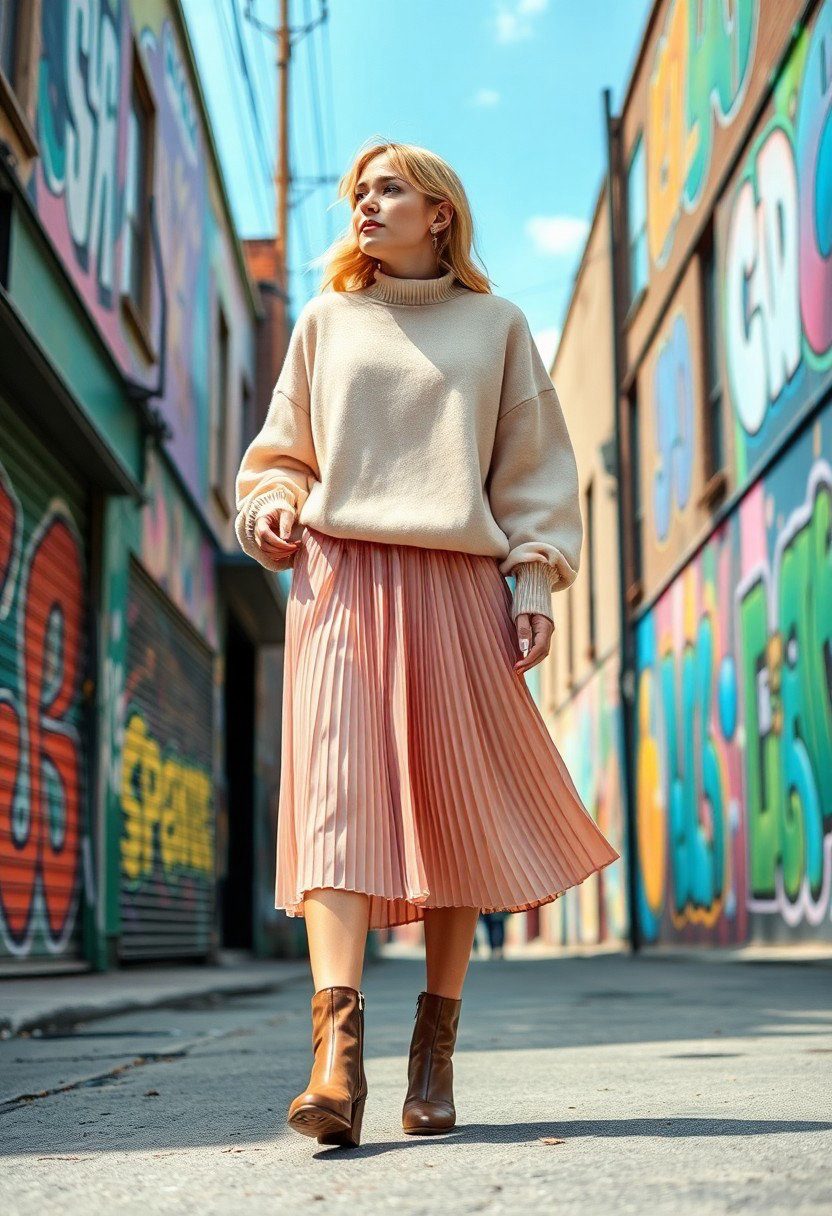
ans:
(429, 1104)
(332, 1105)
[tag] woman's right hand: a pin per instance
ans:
(271, 533)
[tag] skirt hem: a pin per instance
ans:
(418, 904)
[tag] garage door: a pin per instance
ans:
(168, 885)
(44, 725)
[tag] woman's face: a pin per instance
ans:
(402, 213)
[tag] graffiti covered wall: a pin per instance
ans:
(166, 782)
(734, 695)
(734, 720)
(78, 189)
(44, 844)
(590, 738)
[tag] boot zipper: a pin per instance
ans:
(418, 1003)
(360, 999)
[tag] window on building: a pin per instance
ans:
(637, 522)
(637, 220)
(19, 23)
(136, 227)
(220, 398)
(136, 249)
(590, 550)
(9, 14)
(714, 436)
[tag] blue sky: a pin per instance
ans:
(509, 92)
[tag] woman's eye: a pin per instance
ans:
(360, 193)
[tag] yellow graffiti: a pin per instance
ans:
(163, 800)
(667, 149)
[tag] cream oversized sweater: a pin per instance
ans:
(419, 412)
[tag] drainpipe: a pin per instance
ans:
(627, 666)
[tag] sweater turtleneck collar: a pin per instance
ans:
(390, 289)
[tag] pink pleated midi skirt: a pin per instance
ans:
(415, 764)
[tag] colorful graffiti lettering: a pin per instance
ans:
(78, 191)
(167, 804)
(686, 717)
(702, 67)
(673, 397)
(786, 643)
(79, 96)
(40, 750)
(778, 255)
(734, 718)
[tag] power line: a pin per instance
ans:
(243, 108)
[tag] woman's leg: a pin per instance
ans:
(449, 933)
(336, 928)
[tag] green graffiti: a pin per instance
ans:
(721, 48)
(788, 715)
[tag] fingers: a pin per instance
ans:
(286, 518)
(537, 629)
(272, 543)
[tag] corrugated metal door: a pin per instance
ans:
(44, 726)
(168, 886)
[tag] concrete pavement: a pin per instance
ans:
(585, 1085)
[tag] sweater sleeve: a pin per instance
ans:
(279, 466)
(532, 482)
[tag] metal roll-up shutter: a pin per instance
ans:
(44, 719)
(168, 887)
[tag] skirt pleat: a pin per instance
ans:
(415, 764)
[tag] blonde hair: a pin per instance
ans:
(345, 265)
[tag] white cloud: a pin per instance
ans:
(557, 233)
(514, 22)
(486, 97)
(547, 341)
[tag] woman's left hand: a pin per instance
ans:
(538, 630)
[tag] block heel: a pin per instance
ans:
(348, 1136)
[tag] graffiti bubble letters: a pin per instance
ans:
(702, 67)
(78, 128)
(786, 631)
(40, 762)
(167, 810)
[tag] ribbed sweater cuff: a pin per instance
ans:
(267, 502)
(535, 582)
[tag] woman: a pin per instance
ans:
(414, 454)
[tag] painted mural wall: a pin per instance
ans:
(78, 190)
(734, 667)
(590, 738)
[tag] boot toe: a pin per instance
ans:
(327, 1103)
(428, 1117)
